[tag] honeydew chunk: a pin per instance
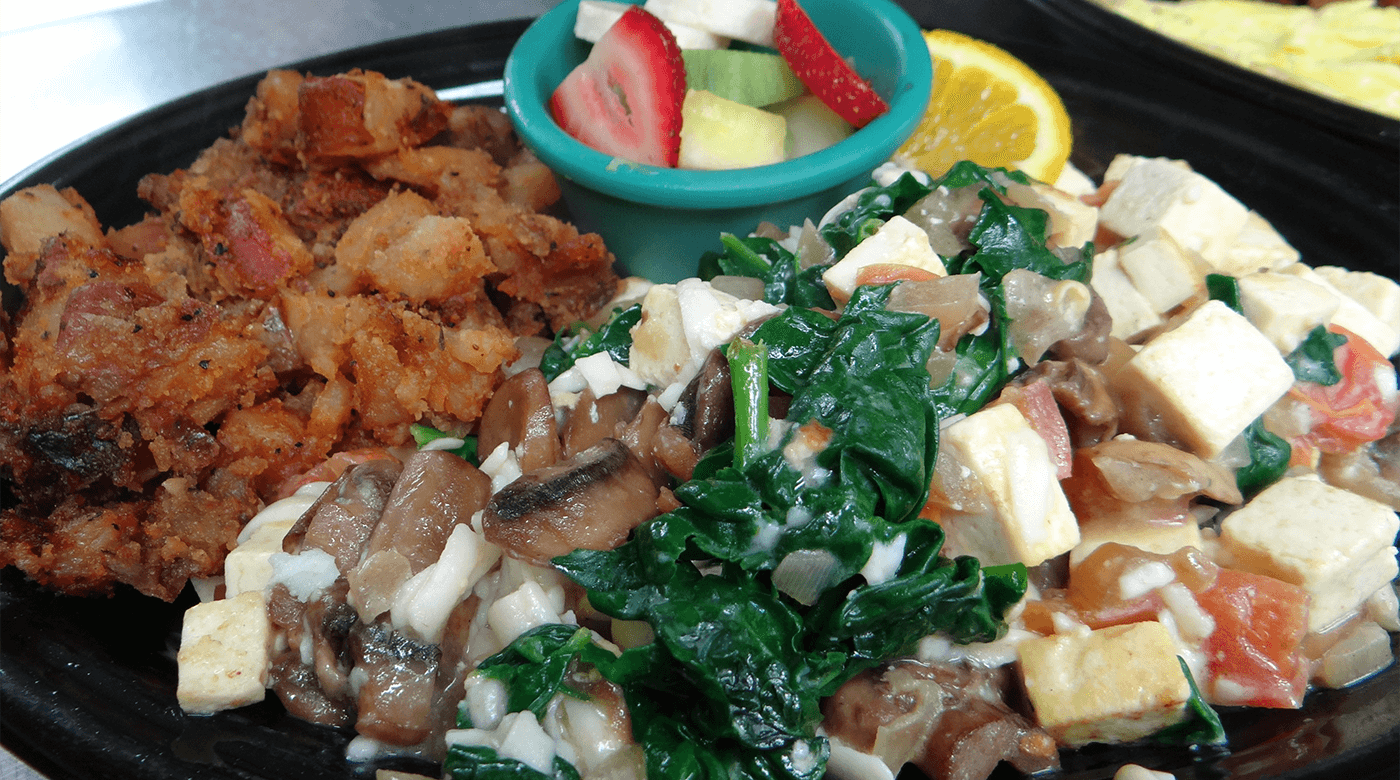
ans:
(1351, 314)
(681, 323)
(1375, 293)
(897, 242)
(1285, 308)
(750, 21)
(1159, 269)
(1072, 221)
(596, 16)
(1153, 536)
(224, 654)
(1116, 684)
(1166, 194)
(1258, 247)
(722, 134)
(811, 125)
(754, 78)
(1336, 545)
(1207, 379)
(1132, 313)
(1029, 520)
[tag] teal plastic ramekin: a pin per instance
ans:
(659, 221)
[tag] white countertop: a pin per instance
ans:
(69, 68)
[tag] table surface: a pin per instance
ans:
(69, 68)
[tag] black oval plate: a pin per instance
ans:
(88, 684)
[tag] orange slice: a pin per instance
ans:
(990, 108)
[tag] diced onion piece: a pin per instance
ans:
(1360, 654)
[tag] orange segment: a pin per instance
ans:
(988, 107)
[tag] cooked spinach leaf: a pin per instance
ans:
(1202, 725)
(570, 344)
(768, 261)
(424, 434)
(872, 207)
(1268, 459)
(1226, 289)
(1315, 359)
(535, 666)
(478, 762)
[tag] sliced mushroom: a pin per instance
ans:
(1135, 470)
(594, 419)
(1082, 392)
(591, 501)
(521, 414)
(949, 720)
(1090, 344)
(705, 411)
(436, 491)
(400, 674)
(640, 437)
(342, 518)
(947, 215)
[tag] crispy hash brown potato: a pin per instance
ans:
(358, 256)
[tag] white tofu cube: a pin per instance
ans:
(1285, 308)
(1119, 166)
(1335, 544)
(1132, 313)
(681, 323)
(1074, 181)
(1072, 221)
(1191, 208)
(897, 242)
(1375, 293)
(1159, 269)
(224, 654)
(1257, 248)
(1030, 520)
(246, 567)
(1207, 379)
(1156, 537)
(1116, 684)
(1351, 314)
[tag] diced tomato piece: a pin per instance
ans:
(1357, 409)
(885, 273)
(1036, 403)
(1254, 655)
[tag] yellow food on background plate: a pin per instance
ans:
(1348, 51)
(988, 107)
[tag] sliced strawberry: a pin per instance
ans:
(825, 73)
(625, 99)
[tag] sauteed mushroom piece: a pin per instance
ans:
(436, 492)
(522, 415)
(342, 519)
(590, 501)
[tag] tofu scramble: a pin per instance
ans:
(824, 509)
